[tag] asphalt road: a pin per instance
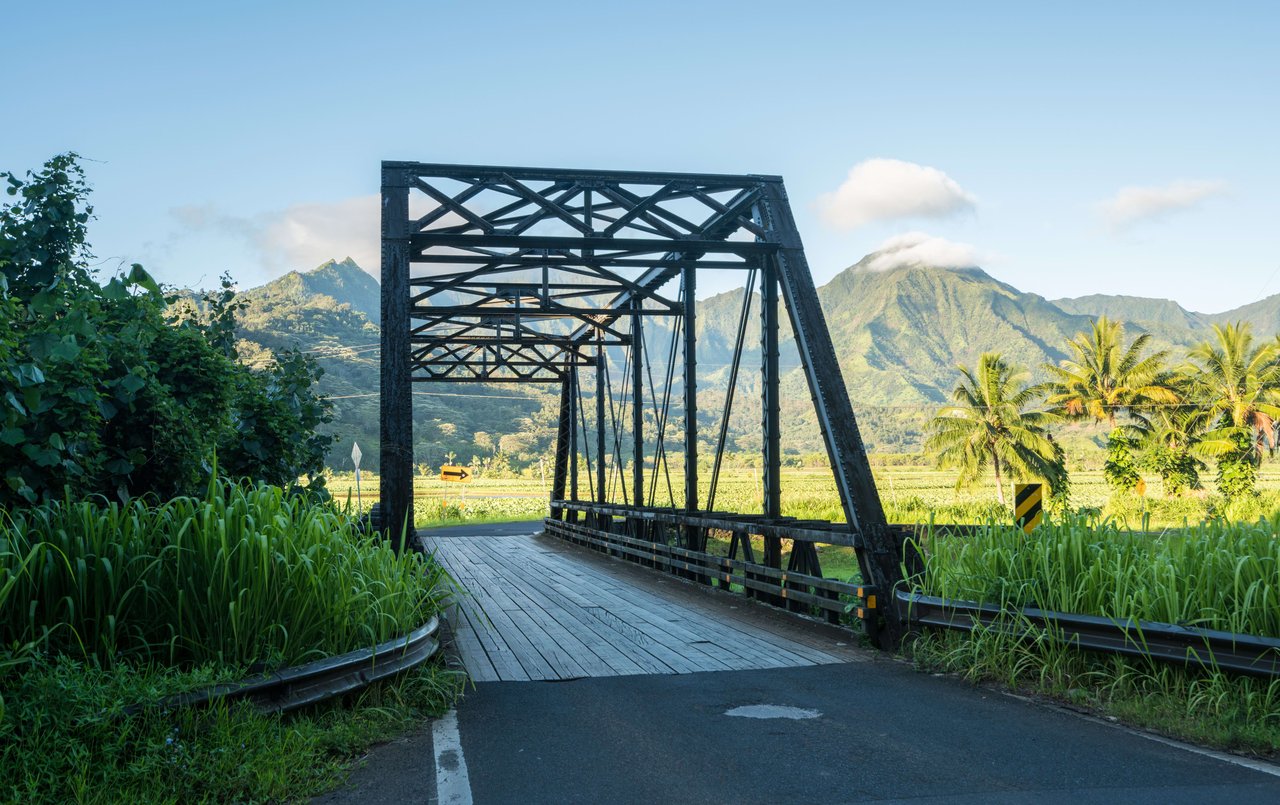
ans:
(879, 732)
(870, 732)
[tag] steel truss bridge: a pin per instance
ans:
(588, 280)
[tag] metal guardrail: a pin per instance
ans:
(789, 588)
(1167, 642)
(301, 685)
(781, 527)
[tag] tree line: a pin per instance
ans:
(1219, 403)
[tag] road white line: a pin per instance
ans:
(453, 787)
(1225, 757)
(1235, 760)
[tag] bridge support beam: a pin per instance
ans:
(601, 497)
(693, 539)
(637, 403)
(880, 555)
(395, 463)
(564, 444)
(771, 473)
(574, 395)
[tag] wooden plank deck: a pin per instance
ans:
(538, 608)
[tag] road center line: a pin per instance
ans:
(453, 786)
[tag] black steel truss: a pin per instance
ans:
(588, 279)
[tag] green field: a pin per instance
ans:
(911, 494)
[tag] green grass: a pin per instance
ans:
(246, 575)
(66, 739)
(911, 494)
(1215, 575)
(106, 605)
(1212, 575)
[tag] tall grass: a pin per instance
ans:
(246, 576)
(1214, 575)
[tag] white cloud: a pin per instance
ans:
(883, 189)
(919, 249)
(305, 235)
(300, 236)
(1132, 205)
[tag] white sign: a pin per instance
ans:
(355, 459)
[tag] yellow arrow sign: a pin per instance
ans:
(452, 472)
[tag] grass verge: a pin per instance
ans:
(106, 605)
(1215, 574)
(65, 737)
(1228, 712)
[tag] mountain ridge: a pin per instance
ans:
(899, 333)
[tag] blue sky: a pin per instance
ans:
(1071, 149)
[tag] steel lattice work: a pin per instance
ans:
(529, 275)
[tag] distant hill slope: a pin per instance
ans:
(899, 334)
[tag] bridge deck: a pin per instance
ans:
(540, 609)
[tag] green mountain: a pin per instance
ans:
(1171, 324)
(899, 334)
(332, 312)
(1264, 315)
(1150, 313)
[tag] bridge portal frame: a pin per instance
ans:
(535, 275)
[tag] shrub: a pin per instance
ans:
(102, 393)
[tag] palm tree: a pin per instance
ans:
(1103, 380)
(989, 426)
(1175, 442)
(1238, 384)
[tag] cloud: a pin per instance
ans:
(305, 235)
(1133, 205)
(884, 189)
(919, 249)
(300, 236)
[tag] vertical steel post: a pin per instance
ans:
(573, 430)
(396, 425)
(564, 456)
(637, 402)
(770, 423)
(600, 359)
(881, 555)
(688, 279)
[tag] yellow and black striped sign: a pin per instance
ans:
(1028, 506)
